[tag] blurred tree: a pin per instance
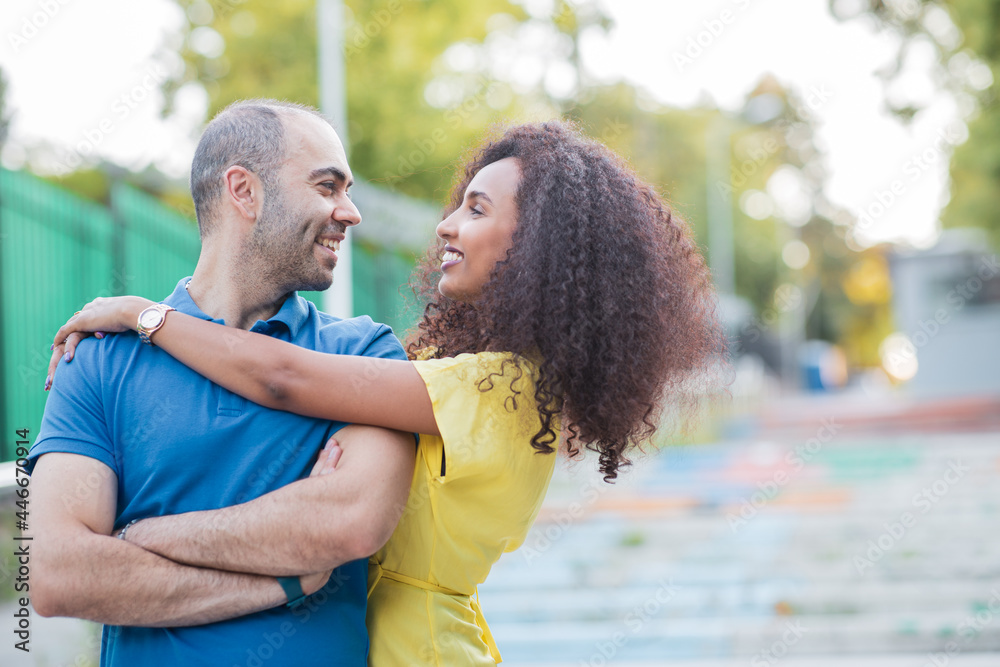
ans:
(4, 112)
(416, 97)
(427, 78)
(668, 148)
(965, 36)
(776, 185)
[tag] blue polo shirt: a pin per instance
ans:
(180, 443)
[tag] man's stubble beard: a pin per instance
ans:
(273, 257)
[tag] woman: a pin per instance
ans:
(569, 303)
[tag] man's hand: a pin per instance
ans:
(345, 510)
(328, 458)
(311, 583)
(103, 314)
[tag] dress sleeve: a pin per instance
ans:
(482, 419)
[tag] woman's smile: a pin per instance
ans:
(478, 233)
(451, 257)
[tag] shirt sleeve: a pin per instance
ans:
(484, 406)
(384, 345)
(74, 420)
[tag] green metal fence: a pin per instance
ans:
(58, 251)
(381, 277)
(55, 254)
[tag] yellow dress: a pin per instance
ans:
(422, 605)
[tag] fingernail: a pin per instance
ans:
(48, 382)
(98, 335)
(66, 357)
(52, 347)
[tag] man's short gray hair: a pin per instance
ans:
(248, 133)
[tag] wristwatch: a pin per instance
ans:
(150, 320)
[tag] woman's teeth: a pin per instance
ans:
(329, 243)
(451, 256)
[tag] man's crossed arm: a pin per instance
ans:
(193, 568)
(311, 525)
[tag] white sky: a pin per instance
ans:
(68, 78)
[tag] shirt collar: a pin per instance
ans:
(293, 312)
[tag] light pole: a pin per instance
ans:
(760, 109)
(339, 299)
(721, 255)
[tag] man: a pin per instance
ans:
(129, 433)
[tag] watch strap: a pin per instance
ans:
(144, 333)
(293, 590)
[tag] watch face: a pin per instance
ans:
(150, 318)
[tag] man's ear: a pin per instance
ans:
(244, 192)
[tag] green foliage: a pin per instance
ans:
(395, 63)
(667, 147)
(271, 51)
(975, 175)
(398, 139)
(423, 85)
(93, 184)
(633, 539)
(4, 118)
(975, 168)
(8, 562)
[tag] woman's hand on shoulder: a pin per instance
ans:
(100, 316)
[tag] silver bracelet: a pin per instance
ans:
(121, 535)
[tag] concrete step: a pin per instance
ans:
(752, 600)
(967, 659)
(653, 569)
(767, 640)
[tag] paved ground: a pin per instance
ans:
(55, 642)
(837, 534)
(818, 534)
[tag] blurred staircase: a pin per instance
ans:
(859, 542)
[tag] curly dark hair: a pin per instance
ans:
(603, 288)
